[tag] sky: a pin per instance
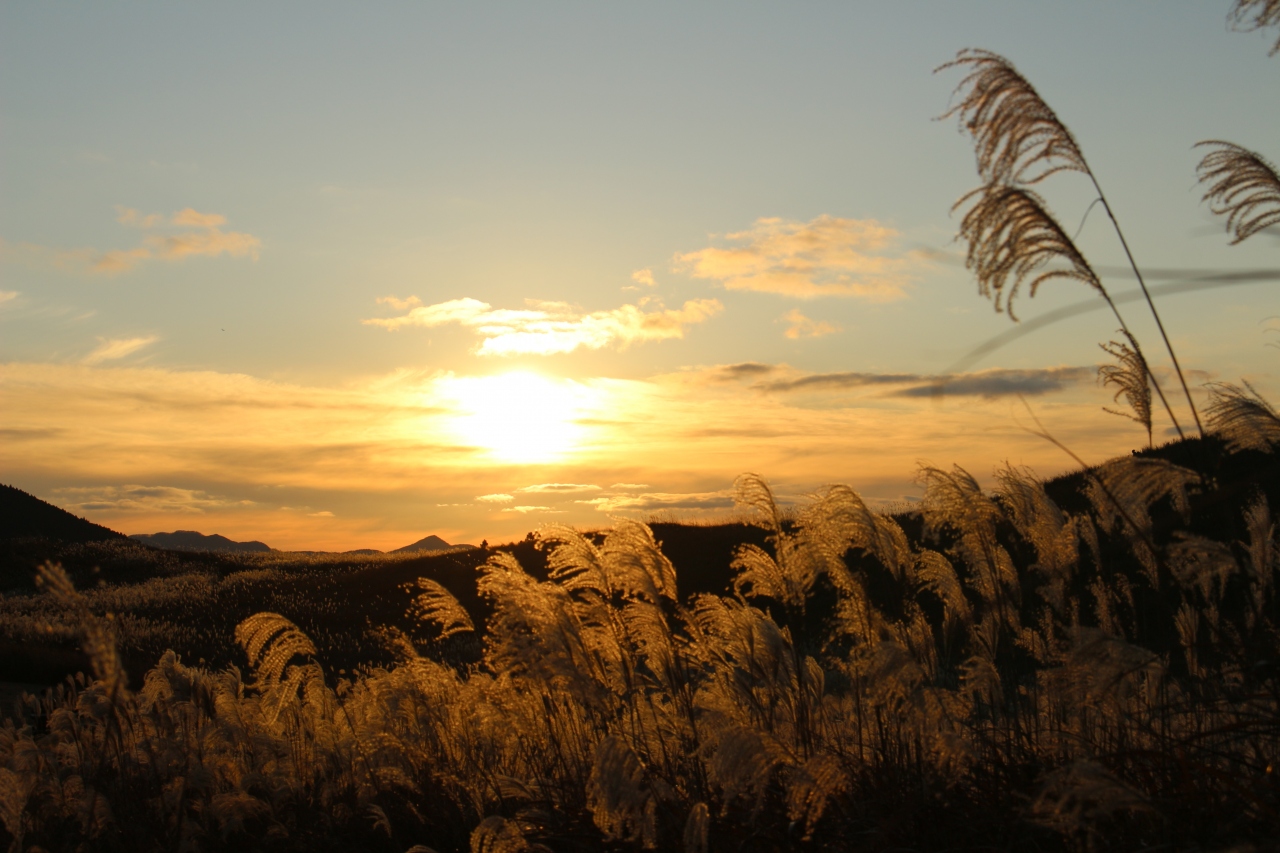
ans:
(337, 276)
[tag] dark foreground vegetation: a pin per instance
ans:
(1087, 664)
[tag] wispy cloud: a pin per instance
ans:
(113, 348)
(524, 510)
(644, 277)
(656, 501)
(997, 382)
(559, 488)
(400, 304)
(801, 326)
(545, 328)
(148, 499)
(495, 499)
(7, 296)
(826, 256)
(185, 234)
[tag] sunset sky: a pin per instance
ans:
(337, 276)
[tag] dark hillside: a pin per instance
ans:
(25, 515)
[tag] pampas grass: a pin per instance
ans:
(1019, 141)
(1243, 186)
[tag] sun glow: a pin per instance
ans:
(520, 417)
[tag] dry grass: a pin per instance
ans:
(1000, 670)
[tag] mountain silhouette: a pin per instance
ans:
(190, 540)
(25, 515)
(430, 543)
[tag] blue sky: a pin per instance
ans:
(202, 205)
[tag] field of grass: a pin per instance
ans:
(1080, 665)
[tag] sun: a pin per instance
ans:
(519, 417)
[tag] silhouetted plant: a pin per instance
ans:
(1019, 141)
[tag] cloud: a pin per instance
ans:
(400, 304)
(827, 256)
(322, 514)
(803, 327)
(7, 296)
(191, 218)
(129, 216)
(997, 382)
(138, 498)
(554, 327)
(187, 233)
(528, 509)
(628, 486)
(655, 501)
(495, 499)
(740, 371)
(199, 234)
(559, 488)
(644, 277)
(113, 348)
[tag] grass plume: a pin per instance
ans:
(1242, 186)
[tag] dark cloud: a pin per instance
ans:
(745, 370)
(1001, 383)
(29, 434)
(986, 383)
(830, 381)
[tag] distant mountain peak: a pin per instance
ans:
(430, 543)
(191, 540)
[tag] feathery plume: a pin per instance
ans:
(695, 829)
(436, 604)
(750, 490)
(1243, 186)
(1012, 239)
(1017, 137)
(271, 641)
(1131, 378)
(1248, 15)
(1242, 417)
(621, 801)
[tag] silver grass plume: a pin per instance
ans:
(954, 500)
(1040, 521)
(695, 829)
(1250, 15)
(271, 641)
(1242, 418)
(436, 604)
(1262, 551)
(1104, 669)
(744, 762)
(496, 834)
(1243, 186)
(1014, 131)
(98, 634)
(1019, 141)
(810, 786)
(1123, 491)
(621, 801)
(1012, 241)
(750, 490)
(937, 575)
(1131, 378)
(1201, 563)
(839, 520)
(1076, 798)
